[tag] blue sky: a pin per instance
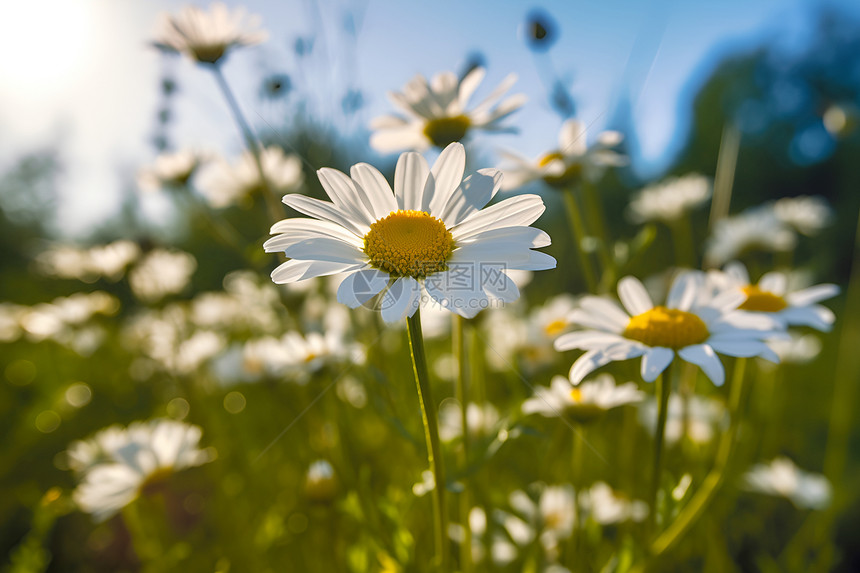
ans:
(85, 78)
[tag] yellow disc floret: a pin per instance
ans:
(445, 130)
(571, 174)
(409, 243)
(761, 300)
(667, 327)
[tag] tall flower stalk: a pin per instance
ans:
(431, 435)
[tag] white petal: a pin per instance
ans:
(340, 189)
(571, 138)
(407, 137)
(512, 212)
(586, 340)
(459, 290)
(473, 194)
(633, 296)
(602, 307)
(815, 316)
(400, 300)
(296, 270)
(738, 273)
(742, 348)
(325, 211)
(503, 254)
(812, 295)
(684, 290)
(410, 177)
(302, 229)
(655, 362)
(498, 285)
(537, 262)
(528, 236)
(325, 249)
(376, 188)
(773, 282)
(361, 286)
(598, 321)
(594, 359)
(705, 358)
(447, 174)
(469, 84)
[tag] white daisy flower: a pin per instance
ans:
(703, 417)
(693, 331)
(551, 517)
(573, 160)
(297, 355)
(481, 420)
(170, 170)
(773, 297)
(671, 199)
(756, 229)
(782, 478)
(133, 460)
(226, 184)
(797, 348)
(436, 114)
(320, 481)
(69, 262)
(603, 505)
(161, 273)
(808, 215)
(431, 233)
(206, 37)
(584, 403)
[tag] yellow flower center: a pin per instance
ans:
(571, 173)
(761, 300)
(667, 327)
(576, 395)
(409, 243)
(555, 327)
(310, 357)
(445, 130)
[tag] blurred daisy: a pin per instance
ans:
(320, 481)
(226, 184)
(206, 37)
(603, 505)
(299, 355)
(551, 518)
(161, 273)
(701, 416)
(571, 162)
(170, 170)
(808, 215)
(756, 229)
(773, 297)
(436, 114)
(696, 333)
(481, 420)
(782, 478)
(797, 348)
(134, 460)
(671, 199)
(585, 403)
(69, 262)
(432, 233)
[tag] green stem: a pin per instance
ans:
(251, 142)
(576, 478)
(727, 161)
(682, 240)
(577, 228)
(431, 434)
(715, 478)
(596, 217)
(663, 389)
(462, 397)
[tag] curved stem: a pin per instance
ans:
(577, 228)
(431, 434)
(251, 142)
(715, 478)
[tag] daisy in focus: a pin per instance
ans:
(431, 234)
(120, 464)
(206, 37)
(585, 403)
(571, 162)
(670, 200)
(772, 296)
(437, 114)
(684, 327)
(781, 477)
